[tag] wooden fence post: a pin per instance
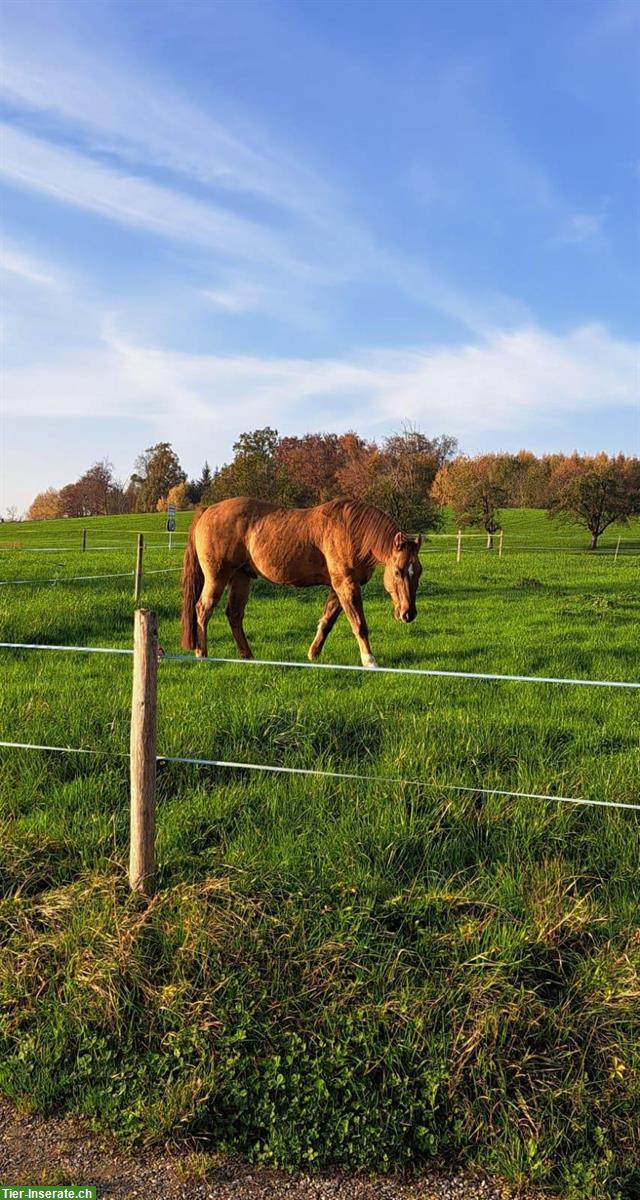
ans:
(138, 575)
(459, 550)
(84, 539)
(500, 543)
(615, 557)
(143, 752)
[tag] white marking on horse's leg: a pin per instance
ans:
(368, 661)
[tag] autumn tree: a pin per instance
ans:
(308, 467)
(630, 472)
(178, 496)
(70, 501)
(45, 506)
(475, 489)
(156, 471)
(95, 493)
(398, 476)
(95, 486)
(526, 478)
(119, 498)
(595, 492)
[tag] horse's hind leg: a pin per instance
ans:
(214, 586)
(239, 587)
(332, 610)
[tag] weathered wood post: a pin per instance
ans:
(501, 540)
(459, 550)
(615, 557)
(84, 539)
(143, 752)
(489, 541)
(137, 584)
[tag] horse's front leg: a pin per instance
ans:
(332, 610)
(350, 597)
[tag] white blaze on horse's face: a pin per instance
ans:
(401, 576)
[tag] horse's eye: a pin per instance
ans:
(398, 572)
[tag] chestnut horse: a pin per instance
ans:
(338, 544)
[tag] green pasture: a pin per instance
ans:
(375, 974)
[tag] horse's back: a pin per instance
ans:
(278, 543)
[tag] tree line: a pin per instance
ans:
(409, 475)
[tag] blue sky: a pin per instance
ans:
(315, 215)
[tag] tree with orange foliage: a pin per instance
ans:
(398, 476)
(45, 506)
(308, 467)
(178, 496)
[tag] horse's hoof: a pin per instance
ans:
(369, 662)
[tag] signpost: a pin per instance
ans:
(171, 521)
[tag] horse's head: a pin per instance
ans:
(401, 576)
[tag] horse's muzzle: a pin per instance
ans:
(407, 617)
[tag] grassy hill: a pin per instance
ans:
(526, 528)
(362, 972)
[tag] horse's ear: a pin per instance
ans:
(417, 541)
(398, 541)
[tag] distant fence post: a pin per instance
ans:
(138, 574)
(143, 752)
(459, 550)
(500, 542)
(615, 557)
(84, 539)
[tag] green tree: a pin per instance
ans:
(198, 489)
(157, 471)
(252, 472)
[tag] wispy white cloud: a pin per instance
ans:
(236, 295)
(14, 261)
(506, 383)
(80, 181)
(218, 181)
(97, 97)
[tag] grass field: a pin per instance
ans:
(364, 973)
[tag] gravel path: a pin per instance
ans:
(57, 1150)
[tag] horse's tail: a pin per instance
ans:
(192, 581)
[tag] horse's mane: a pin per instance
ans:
(371, 530)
